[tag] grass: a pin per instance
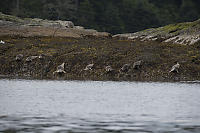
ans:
(175, 29)
(10, 18)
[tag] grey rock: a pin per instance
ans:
(67, 24)
(79, 27)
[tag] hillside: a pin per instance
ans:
(12, 25)
(187, 33)
(37, 55)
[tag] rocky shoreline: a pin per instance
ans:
(112, 59)
(42, 49)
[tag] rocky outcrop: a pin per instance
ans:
(182, 33)
(12, 25)
(13, 20)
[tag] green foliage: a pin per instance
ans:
(10, 18)
(86, 14)
(115, 16)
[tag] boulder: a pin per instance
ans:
(102, 35)
(67, 24)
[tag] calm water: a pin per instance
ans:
(121, 107)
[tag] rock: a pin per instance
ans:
(102, 35)
(89, 67)
(184, 39)
(91, 30)
(108, 69)
(125, 68)
(121, 36)
(187, 33)
(2, 42)
(137, 64)
(31, 58)
(19, 57)
(79, 27)
(43, 27)
(36, 22)
(175, 68)
(6, 23)
(67, 24)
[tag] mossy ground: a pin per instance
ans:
(171, 30)
(77, 53)
(188, 27)
(10, 18)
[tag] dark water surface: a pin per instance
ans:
(78, 107)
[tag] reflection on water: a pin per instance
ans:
(64, 124)
(69, 106)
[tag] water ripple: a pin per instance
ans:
(64, 124)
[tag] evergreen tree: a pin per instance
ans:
(86, 14)
(115, 16)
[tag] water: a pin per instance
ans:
(100, 107)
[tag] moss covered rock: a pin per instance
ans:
(182, 33)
